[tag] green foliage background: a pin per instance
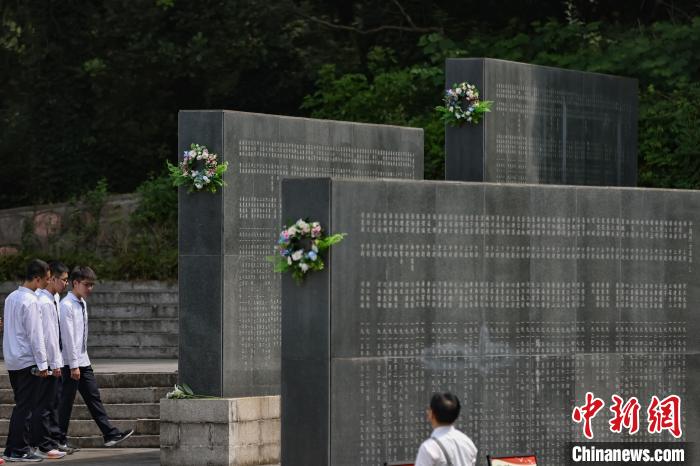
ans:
(91, 90)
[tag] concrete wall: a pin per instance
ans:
(46, 220)
(230, 295)
(518, 298)
(546, 126)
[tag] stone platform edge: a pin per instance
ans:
(226, 431)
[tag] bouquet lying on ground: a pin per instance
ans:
(183, 392)
(301, 247)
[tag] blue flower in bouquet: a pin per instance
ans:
(462, 105)
(199, 170)
(301, 248)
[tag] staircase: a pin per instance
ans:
(129, 319)
(131, 400)
(133, 320)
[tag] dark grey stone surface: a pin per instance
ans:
(199, 359)
(229, 296)
(547, 126)
(305, 340)
(200, 265)
(519, 298)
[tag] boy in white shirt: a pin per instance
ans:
(24, 351)
(45, 433)
(446, 445)
(77, 371)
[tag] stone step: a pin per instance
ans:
(88, 428)
(110, 395)
(134, 297)
(112, 325)
(146, 285)
(128, 297)
(111, 286)
(156, 333)
(116, 411)
(96, 441)
(127, 339)
(134, 352)
(116, 340)
(131, 352)
(121, 310)
(121, 380)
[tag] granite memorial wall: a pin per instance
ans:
(518, 298)
(229, 296)
(547, 125)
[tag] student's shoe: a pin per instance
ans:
(50, 455)
(24, 458)
(112, 441)
(67, 449)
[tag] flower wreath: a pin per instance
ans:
(300, 248)
(199, 170)
(462, 105)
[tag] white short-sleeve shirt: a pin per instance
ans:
(459, 447)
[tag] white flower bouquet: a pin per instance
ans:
(199, 170)
(462, 105)
(301, 247)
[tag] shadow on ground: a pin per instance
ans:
(114, 457)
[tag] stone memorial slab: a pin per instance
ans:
(547, 126)
(229, 295)
(518, 298)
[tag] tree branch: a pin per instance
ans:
(370, 31)
(671, 7)
(403, 12)
(389, 27)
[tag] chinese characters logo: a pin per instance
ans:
(662, 415)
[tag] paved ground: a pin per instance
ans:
(127, 365)
(134, 365)
(112, 457)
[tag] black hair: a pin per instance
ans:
(36, 268)
(445, 407)
(82, 272)
(57, 268)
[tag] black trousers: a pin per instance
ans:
(24, 387)
(87, 386)
(44, 429)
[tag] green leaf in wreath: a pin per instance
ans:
(328, 241)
